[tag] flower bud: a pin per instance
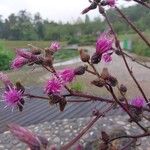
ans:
(84, 56)
(112, 81)
(123, 88)
(96, 58)
(98, 82)
(118, 52)
(80, 70)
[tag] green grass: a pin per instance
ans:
(66, 54)
(24, 44)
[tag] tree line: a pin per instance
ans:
(24, 26)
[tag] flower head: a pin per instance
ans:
(12, 96)
(53, 86)
(111, 2)
(104, 43)
(106, 57)
(67, 75)
(19, 62)
(138, 102)
(55, 46)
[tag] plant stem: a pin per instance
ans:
(138, 62)
(130, 136)
(89, 125)
(133, 26)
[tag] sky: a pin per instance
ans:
(57, 10)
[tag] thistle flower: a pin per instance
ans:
(12, 97)
(53, 86)
(67, 75)
(111, 3)
(55, 46)
(104, 43)
(106, 57)
(18, 62)
(138, 102)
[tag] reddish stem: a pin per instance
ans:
(89, 125)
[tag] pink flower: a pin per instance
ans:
(106, 57)
(53, 86)
(104, 43)
(25, 136)
(19, 62)
(12, 96)
(138, 102)
(67, 75)
(111, 2)
(55, 46)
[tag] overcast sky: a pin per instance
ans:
(57, 10)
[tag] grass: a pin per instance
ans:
(24, 44)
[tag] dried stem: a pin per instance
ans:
(138, 62)
(133, 26)
(89, 125)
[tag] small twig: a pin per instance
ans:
(138, 62)
(133, 26)
(130, 136)
(128, 144)
(89, 125)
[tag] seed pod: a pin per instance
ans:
(80, 70)
(96, 58)
(98, 82)
(84, 56)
